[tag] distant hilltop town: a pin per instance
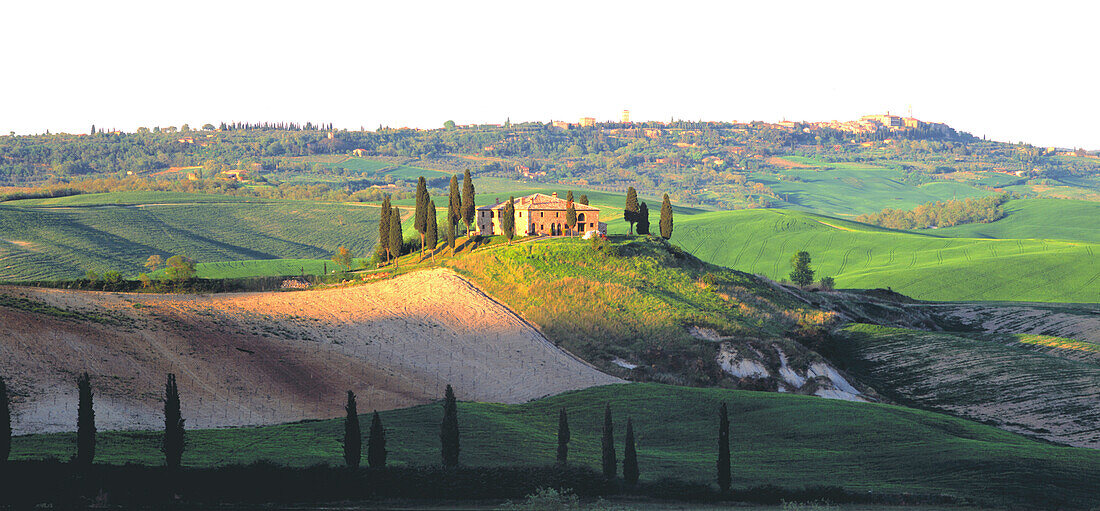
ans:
(864, 125)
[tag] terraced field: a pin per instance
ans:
(924, 266)
(64, 237)
(778, 439)
(1037, 385)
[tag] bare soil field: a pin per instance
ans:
(264, 358)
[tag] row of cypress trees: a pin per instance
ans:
(174, 441)
(638, 213)
(461, 207)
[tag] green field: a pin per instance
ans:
(64, 237)
(785, 440)
(1052, 219)
(924, 266)
(851, 189)
(263, 268)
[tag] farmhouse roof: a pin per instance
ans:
(541, 201)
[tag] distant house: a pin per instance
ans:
(359, 153)
(539, 214)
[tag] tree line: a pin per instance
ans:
(173, 443)
(940, 214)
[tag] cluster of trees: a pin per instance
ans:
(940, 214)
(174, 438)
(638, 213)
(461, 208)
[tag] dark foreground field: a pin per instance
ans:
(791, 442)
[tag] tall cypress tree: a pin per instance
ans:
(173, 425)
(508, 219)
(395, 235)
(570, 213)
(384, 226)
(563, 437)
(376, 443)
(454, 205)
(85, 423)
(448, 430)
(630, 210)
(5, 422)
(420, 219)
(431, 234)
(353, 436)
(643, 219)
(723, 449)
(630, 456)
(608, 445)
(469, 206)
(450, 233)
(666, 218)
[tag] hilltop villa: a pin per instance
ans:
(539, 214)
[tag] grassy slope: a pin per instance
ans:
(1039, 385)
(850, 189)
(1052, 219)
(61, 238)
(637, 306)
(777, 439)
(923, 266)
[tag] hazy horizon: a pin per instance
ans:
(1008, 72)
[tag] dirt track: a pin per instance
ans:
(261, 358)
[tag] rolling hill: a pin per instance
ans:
(1041, 386)
(784, 440)
(1051, 219)
(922, 265)
(263, 358)
(63, 238)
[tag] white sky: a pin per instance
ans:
(1010, 71)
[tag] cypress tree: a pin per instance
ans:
(630, 456)
(723, 449)
(384, 226)
(454, 206)
(93, 129)
(508, 219)
(451, 235)
(583, 199)
(608, 445)
(173, 425)
(643, 219)
(666, 218)
(395, 235)
(376, 443)
(630, 210)
(5, 422)
(448, 430)
(469, 206)
(570, 213)
(420, 218)
(353, 437)
(85, 423)
(431, 235)
(563, 437)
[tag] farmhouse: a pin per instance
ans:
(539, 214)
